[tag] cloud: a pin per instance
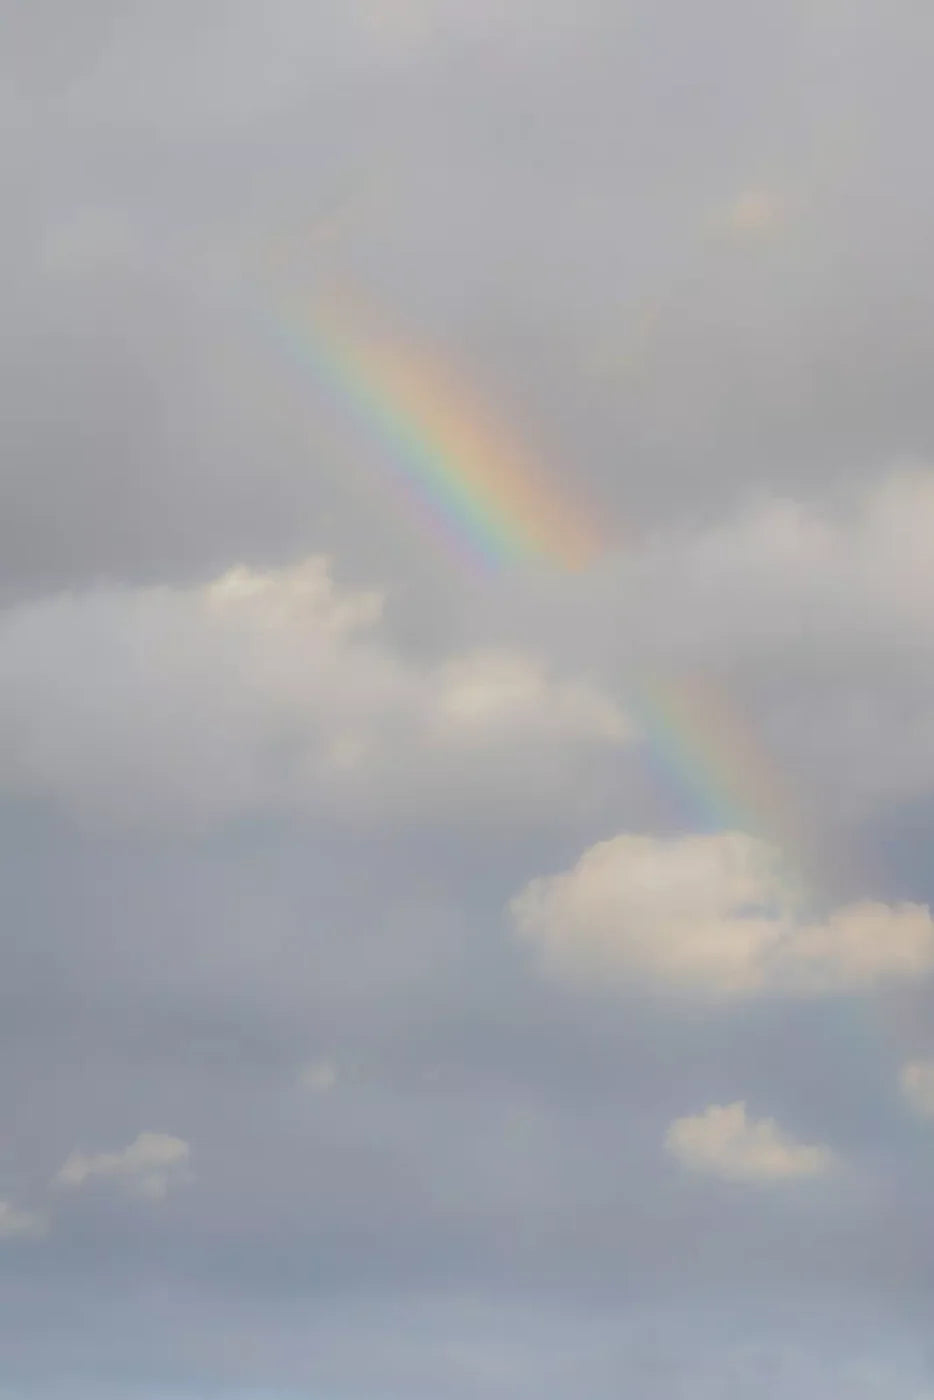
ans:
(270, 687)
(723, 1141)
(817, 613)
(754, 211)
(148, 1167)
(149, 434)
(398, 26)
(16, 1223)
(916, 1082)
(783, 572)
(267, 688)
(320, 1077)
(711, 915)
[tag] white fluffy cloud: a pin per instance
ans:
(916, 1082)
(148, 1167)
(711, 915)
(268, 688)
(16, 1223)
(724, 1141)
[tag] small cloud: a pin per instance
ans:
(722, 1141)
(147, 1167)
(21, 1224)
(399, 26)
(755, 211)
(916, 1083)
(490, 692)
(319, 1077)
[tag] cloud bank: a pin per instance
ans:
(271, 689)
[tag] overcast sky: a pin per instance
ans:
(420, 980)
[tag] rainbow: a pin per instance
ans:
(698, 736)
(470, 485)
(456, 468)
(703, 747)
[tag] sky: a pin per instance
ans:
(466, 736)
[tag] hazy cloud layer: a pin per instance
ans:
(419, 979)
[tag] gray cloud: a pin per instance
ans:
(781, 359)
